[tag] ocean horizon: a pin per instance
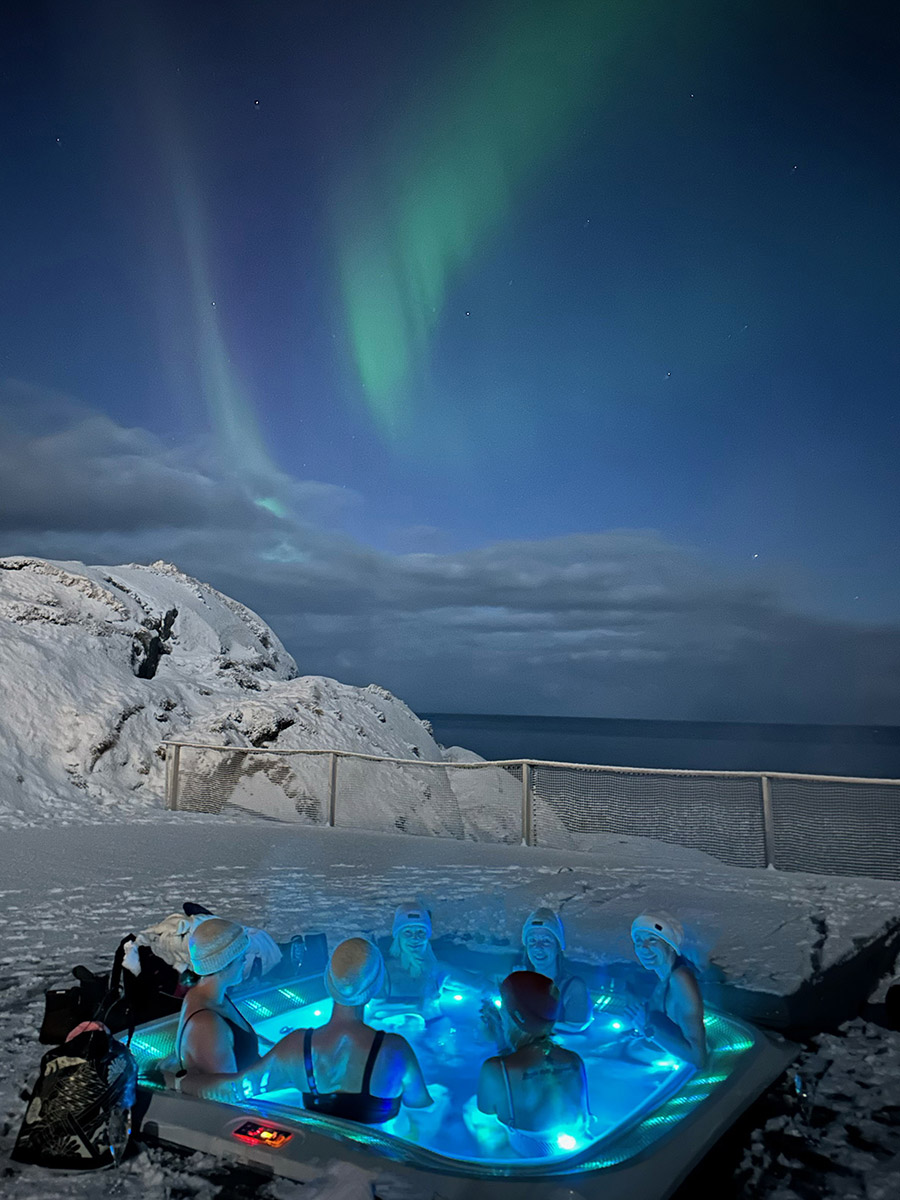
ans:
(870, 751)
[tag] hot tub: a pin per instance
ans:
(653, 1116)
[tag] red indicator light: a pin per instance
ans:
(262, 1135)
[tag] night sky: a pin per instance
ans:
(535, 356)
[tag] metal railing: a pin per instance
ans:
(820, 823)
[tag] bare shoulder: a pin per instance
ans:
(204, 1020)
(397, 1045)
(291, 1044)
(566, 1057)
(575, 983)
(684, 986)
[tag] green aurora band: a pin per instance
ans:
(231, 414)
(444, 181)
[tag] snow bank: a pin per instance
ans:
(101, 664)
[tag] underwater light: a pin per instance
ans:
(256, 1134)
(317, 1012)
(667, 1062)
(565, 1141)
(290, 994)
(457, 997)
(616, 1024)
(499, 1002)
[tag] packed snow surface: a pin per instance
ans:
(70, 894)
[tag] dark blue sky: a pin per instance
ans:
(641, 458)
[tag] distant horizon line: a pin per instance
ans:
(797, 727)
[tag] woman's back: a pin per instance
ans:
(344, 1068)
(542, 1088)
(339, 1056)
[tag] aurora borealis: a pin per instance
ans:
(410, 217)
(534, 356)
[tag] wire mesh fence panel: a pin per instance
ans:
(721, 815)
(283, 787)
(437, 799)
(489, 800)
(830, 826)
(836, 828)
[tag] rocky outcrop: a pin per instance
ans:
(100, 665)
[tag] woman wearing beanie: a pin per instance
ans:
(539, 1090)
(544, 941)
(345, 1068)
(213, 1037)
(673, 1016)
(414, 975)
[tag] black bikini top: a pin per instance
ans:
(246, 1044)
(359, 1106)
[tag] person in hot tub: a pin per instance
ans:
(345, 1068)
(673, 1016)
(414, 975)
(538, 1090)
(213, 1035)
(544, 940)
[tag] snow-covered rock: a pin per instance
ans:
(100, 665)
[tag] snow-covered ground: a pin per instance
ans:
(70, 894)
(99, 665)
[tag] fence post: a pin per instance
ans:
(332, 789)
(527, 806)
(173, 756)
(768, 822)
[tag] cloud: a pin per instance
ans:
(618, 623)
(64, 467)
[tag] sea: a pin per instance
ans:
(869, 751)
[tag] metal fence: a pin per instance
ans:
(819, 823)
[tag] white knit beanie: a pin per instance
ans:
(545, 918)
(411, 916)
(215, 943)
(662, 926)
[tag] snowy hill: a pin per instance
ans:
(101, 664)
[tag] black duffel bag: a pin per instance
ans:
(120, 999)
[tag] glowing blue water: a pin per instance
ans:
(451, 1050)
